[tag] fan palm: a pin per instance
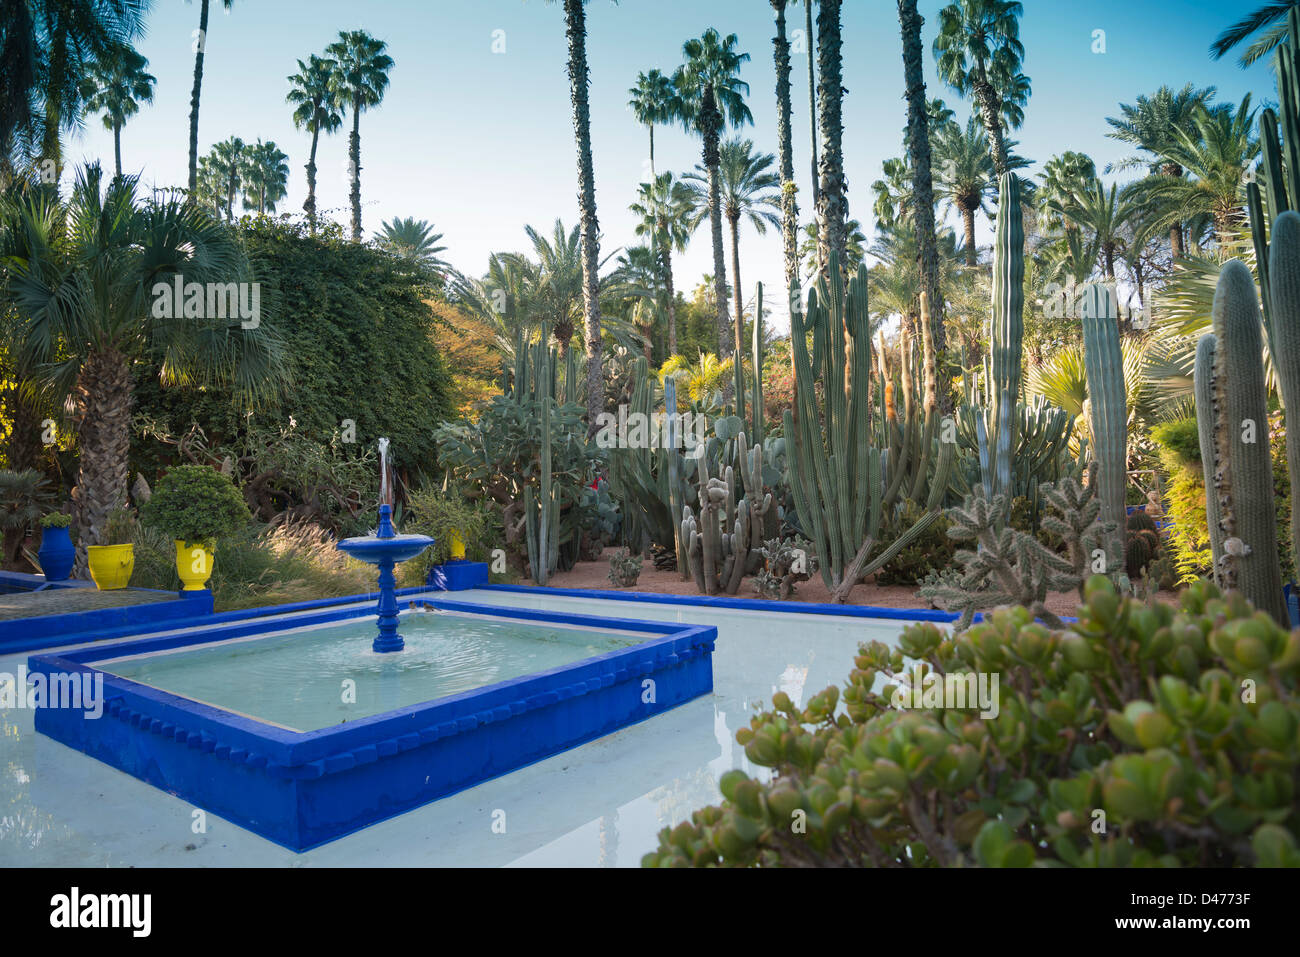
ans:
(84, 280)
(46, 48)
(116, 87)
(978, 51)
(893, 192)
(358, 81)
(750, 191)
(1150, 123)
(1064, 177)
(317, 112)
(652, 103)
(1062, 380)
(265, 176)
(200, 46)
(223, 171)
(665, 211)
(711, 95)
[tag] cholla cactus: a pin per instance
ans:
(1011, 567)
(624, 568)
(785, 562)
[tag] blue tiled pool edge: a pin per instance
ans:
(301, 790)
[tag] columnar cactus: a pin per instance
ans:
(1104, 366)
(1241, 408)
(1284, 292)
(1203, 385)
(758, 368)
(835, 469)
(1006, 350)
(541, 509)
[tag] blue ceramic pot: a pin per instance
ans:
(56, 554)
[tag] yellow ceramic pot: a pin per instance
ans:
(457, 546)
(110, 565)
(193, 564)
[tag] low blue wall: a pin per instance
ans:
(46, 631)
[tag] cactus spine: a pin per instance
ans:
(1104, 366)
(1008, 334)
(1203, 384)
(1241, 408)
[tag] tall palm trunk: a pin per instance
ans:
(354, 156)
(651, 127)
(811, 44)
(102, 404)
(710, 123)
(672, 300)
(1176, 230)
(785, 157)
(117, 147)
(918, 149)
(309, 206)
(968, 229)
(832, 206)
(576, 30)
(194, 96)
(738, 326)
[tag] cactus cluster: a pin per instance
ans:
(786, 561)
(838, 477)
(624, 568)
(1132, 718)
(721, 539)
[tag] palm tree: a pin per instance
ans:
(1214, 155)
(200, 45)
(710, 95)
(575, 29)
(855, 247)
(1150, 125)
(785, 159)
(265, 176)
(665, 211)
(832, 204)
(810, 39)
(966, 176)
(358, 81)
(1064, 177)
(46, 48)
(979, 52)
(893, 203)
(1271, 15)
(317, 112)
(117, 85)
(413, 239)
(918, 151)
(223, 172)
(749, 190)
(651, 103)
(1103, 215)
(558, 291)
(85, 281)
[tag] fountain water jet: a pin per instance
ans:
(386, 549)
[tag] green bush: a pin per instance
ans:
(931, 551)
(1139, 736)
(1181, 438)
(56, 520)
(437, 513)
(195, 504)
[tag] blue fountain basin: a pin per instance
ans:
(379, 551)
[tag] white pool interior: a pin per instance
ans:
(598, 805)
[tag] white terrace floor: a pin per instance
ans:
(601, 804)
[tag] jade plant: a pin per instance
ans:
(1137, 736)
(195, 504)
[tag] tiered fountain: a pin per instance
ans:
(385, 548)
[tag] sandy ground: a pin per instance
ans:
(596, 575)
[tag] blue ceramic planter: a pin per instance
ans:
(56, 553)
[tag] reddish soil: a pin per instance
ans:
(595, 575)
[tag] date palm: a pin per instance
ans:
(855, 247)
(265, 176)
(978, 51)
(711, 96)
(47, 47)
(317, 112)
(358, 81)
(893, 192)
(1064, 177)
(749, 191)
(1103, 215)
(83, 280)
(651, 104)
(966, 176)
(1271, 15)
(665, 212)
(1150, 124)
(116, 87)
(413, 239)
(200, 46)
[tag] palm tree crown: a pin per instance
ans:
(652, 103)
(116, 87)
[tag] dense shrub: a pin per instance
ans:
(438, 513)
(196, 504)
(1137, 736)
(931, 551)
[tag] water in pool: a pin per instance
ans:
(298, 679)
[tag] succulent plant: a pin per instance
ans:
(624, 568)
(1137, 736)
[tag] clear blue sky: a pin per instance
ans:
(481, 143)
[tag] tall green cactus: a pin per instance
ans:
(757, 400)
(1284, 293)
(541, 508)
(1104, 367)
(1006, 350)
(836, 476)
(1249, 519)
